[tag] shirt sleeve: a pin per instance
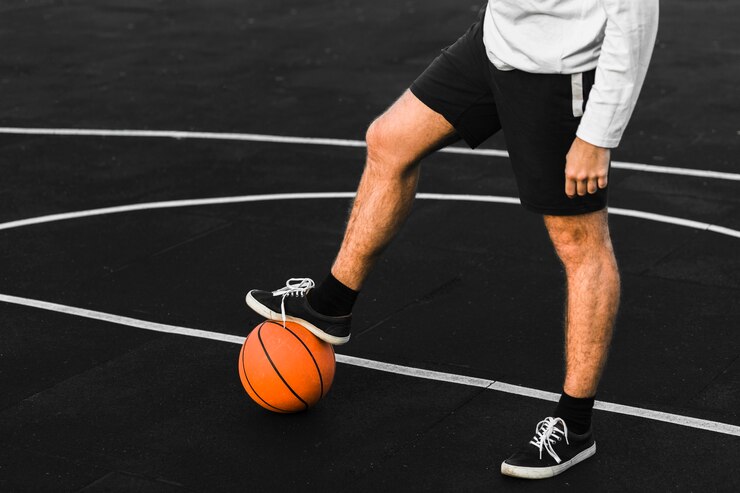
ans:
(629, 37)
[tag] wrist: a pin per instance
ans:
(584, 143)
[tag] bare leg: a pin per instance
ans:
(396, 142)
(584, 246)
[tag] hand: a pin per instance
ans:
(586, 168)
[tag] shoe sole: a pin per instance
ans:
(545, 472)
(271, 315)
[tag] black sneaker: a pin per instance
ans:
(290, 304)
(562, 448)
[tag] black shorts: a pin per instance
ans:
(539, 114)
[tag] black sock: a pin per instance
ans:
(575, 412)
(332, 298)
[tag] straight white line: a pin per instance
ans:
(475, 152)
(179, 134)
(116, 319)
(282, 139)
(677, 419)
(335, 195)
(651, 168)
(410, 371)
(463, 197)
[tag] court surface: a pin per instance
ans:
(176, 168)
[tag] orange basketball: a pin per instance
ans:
(285, 369)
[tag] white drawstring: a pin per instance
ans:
(295, 286)
(547, 436)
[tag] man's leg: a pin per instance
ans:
(396, 142)
(584, 246)
(564, 439)
(455, 87)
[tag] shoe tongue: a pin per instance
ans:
(555, 428)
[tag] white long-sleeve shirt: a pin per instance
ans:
(572, 36)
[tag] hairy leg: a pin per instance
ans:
(584, 247)
(396, 142)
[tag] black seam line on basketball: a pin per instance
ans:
(318, 370)
(259, 336)
(257, 394)
(244, 370)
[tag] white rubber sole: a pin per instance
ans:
(545, 472)
(271, 315)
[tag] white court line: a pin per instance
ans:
(334, 195)
(168, 204)
(282, 139)
(677, 419)
(398, 369)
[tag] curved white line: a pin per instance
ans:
(335, 195)
(284, 139)
(676, 419)
(376, 365)
(169, 204)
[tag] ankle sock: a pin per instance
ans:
(332, 298)
(576, 412)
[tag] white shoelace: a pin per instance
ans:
(295, 286)
(548, 435)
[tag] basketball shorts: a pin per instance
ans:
(539, 114)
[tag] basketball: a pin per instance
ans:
(285, 369)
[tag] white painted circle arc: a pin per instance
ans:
(169, 204)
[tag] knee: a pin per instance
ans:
(568, 236)
(375, 137)
(571, 246)
(385, 149)
(577, 242)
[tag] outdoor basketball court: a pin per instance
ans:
(160, 159)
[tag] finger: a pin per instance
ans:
(570, 187)
(581, 187)
(592, 185)
(603, 181)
